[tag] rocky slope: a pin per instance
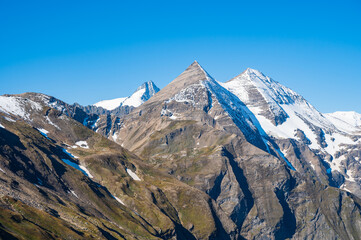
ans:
(60, 180)
(215, 139)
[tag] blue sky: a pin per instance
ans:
(86, 51)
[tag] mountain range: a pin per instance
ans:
(198, 159)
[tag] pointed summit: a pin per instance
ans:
(149, 89)
(194, 74)
(258, 91)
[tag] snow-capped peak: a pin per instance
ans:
(142, 94)
(279, 110)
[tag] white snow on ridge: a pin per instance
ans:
(135, 100)
(2, 126)
(276, 96)
(82, 144)
(282, 99)
(349, 122)
(143, 93)
(133, 175)
(256, 90)
(110, 104)
(16, 106)
(350, 117)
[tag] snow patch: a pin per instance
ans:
(286, 160)
(115, 136)
(2, 170)
(166, 112)
(133, 175)
(43, 132)
(337, 163)
(120, 201)
(82, 144)
(313, 166)
(350, 176)
(9, 119)
(2, 126)
(344, 188)
(336, 141)
(72, 192)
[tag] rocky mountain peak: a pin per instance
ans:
(251, 73)
(270, 90)
(149, 89)
(193, 74)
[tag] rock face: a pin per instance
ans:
(211, 138)
(246, 159)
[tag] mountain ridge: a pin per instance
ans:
(197, 131)
(201, 160)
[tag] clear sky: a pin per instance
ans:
(86, 51)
